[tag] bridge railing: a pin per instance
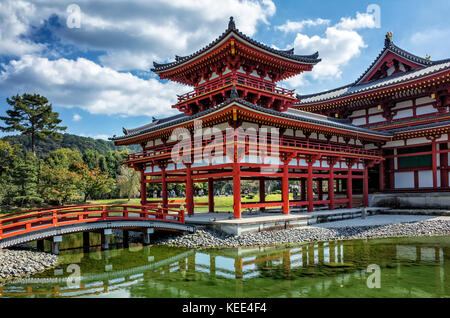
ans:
(33, 220)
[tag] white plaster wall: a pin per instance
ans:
(358, 113)
(425, 110)
(426, 179)
(158, 142)
(443, 138)
(424, 100)
(394, 143)
(370, 147)
(415, 141)
(299, 133)
(376, 119)
(406, 103)
(213, 76)
(289, 132)
(150, 143)
(404, 180)
(359, 121)
(374, 110)
(403, 114)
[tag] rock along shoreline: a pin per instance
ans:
(213, 239)
(21, 263)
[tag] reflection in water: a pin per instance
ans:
(410, 267)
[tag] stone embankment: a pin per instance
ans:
(213, 239)
(18, 263)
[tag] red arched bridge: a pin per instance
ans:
(35, 225)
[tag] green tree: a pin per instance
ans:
(94, 183)
(32, 116)
(64, 158)
(25, 177)
(8, 159)
(128, 182)
(58, 185)
(90, 158)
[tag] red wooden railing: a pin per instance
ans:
(239, 79)
(29, 221)
(283, 142)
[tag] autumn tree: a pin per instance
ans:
(33, 116)
(94, 183)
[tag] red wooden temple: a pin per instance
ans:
(237, 124)
(408, 97)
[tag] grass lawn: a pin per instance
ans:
(221, 204)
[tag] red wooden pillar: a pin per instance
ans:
(310, 187)
(285, 187)
(303, 189)
(434, 159)
(331, 187)
(211, 195)
(237, 190)
(164, 188)
(262, 192)
(366, 185)
(143, 187)
(381, 176)
(320, 188)
(189, 190)
(349, 185)
(444, 166)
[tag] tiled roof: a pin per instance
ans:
(420, 127)
(428, 67)
(359, 88)
(307, 59)
(290, 114)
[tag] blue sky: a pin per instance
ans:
(97, 75)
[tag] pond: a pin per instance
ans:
(400, 267)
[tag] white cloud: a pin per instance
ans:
(337, 46)
(89, 86)
(99, 136)
(16, 18)
(136, 32)
(297, 26)
(76, 117)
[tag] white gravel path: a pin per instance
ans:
(380, 219)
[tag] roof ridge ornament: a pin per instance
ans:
(388, 39)
(231, 24)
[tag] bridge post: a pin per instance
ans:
(86, 242)
(126, 238)
(40, 245)
(147, 233)
(55, 244)
(105, 238)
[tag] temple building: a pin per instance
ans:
(387, 131)
(408, 97)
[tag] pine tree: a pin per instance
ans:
(32, 116)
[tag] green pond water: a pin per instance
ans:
(408, 267)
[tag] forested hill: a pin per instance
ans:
(74, 142)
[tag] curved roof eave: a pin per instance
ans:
(284, 54)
